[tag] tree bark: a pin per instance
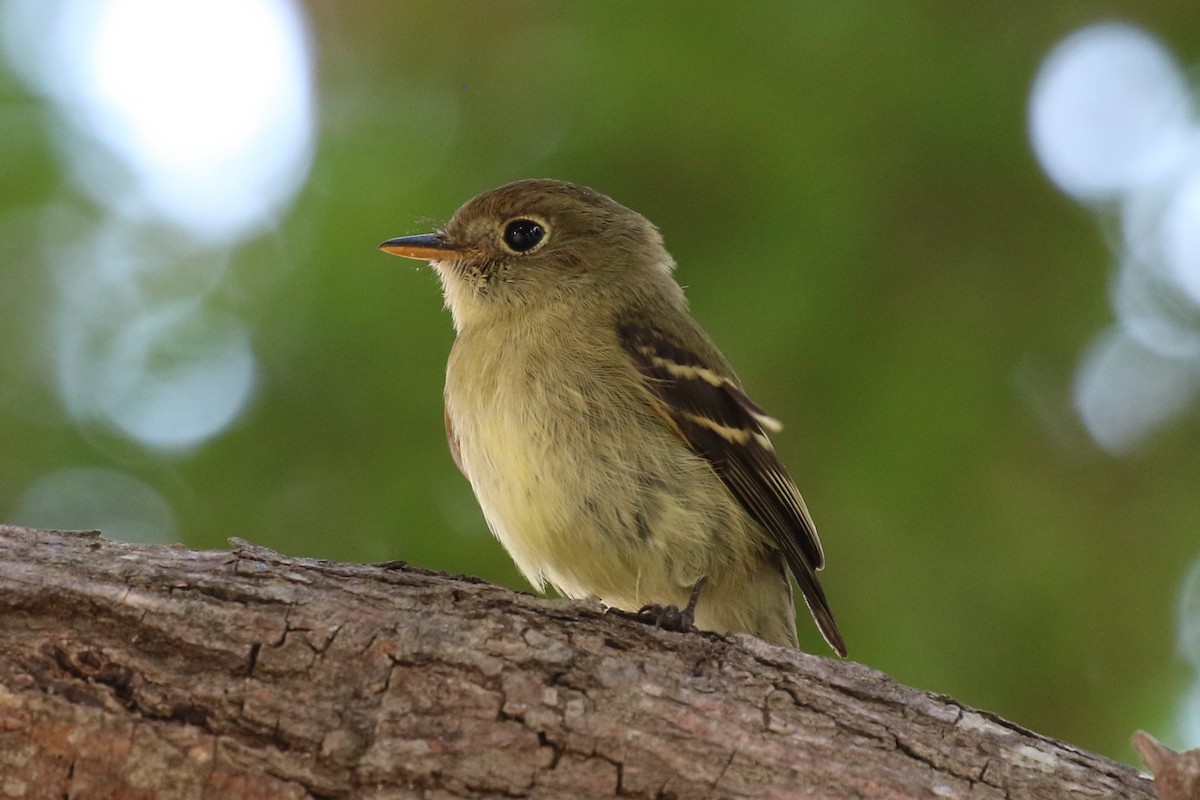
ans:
(136, 671)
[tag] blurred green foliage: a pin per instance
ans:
(850, 195)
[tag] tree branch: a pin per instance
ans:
(150, 671)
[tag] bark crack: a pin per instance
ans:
(160, 671)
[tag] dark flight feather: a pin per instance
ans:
(712, 414)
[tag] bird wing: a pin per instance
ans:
(716, 419)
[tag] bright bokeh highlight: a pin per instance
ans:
(1113, 124)
(1112, 121)
(1108, 112)
(188, 127)
(200, 113)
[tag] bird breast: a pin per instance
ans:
(580, 480)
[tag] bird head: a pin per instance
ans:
(534, 243)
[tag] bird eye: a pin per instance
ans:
(522, 235)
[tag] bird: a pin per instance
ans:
(611, 448)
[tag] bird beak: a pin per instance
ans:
(424, 246)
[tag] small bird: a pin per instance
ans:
(612, 450)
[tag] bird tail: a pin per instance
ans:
(818, 606)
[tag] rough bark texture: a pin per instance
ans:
(133, 671)
(1176, 775)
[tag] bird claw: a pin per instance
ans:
(671, 617)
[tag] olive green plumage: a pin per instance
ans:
(608, 441)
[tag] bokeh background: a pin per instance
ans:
(947, 244)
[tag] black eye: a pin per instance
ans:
(523, 234)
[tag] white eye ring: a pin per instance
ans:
(524, 234)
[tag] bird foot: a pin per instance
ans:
(668, 618)
(671, 617)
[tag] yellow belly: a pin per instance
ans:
(586, 487)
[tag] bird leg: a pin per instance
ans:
(671, 618)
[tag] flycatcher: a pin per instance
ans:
(612, 450)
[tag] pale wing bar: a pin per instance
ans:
(719, 422)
